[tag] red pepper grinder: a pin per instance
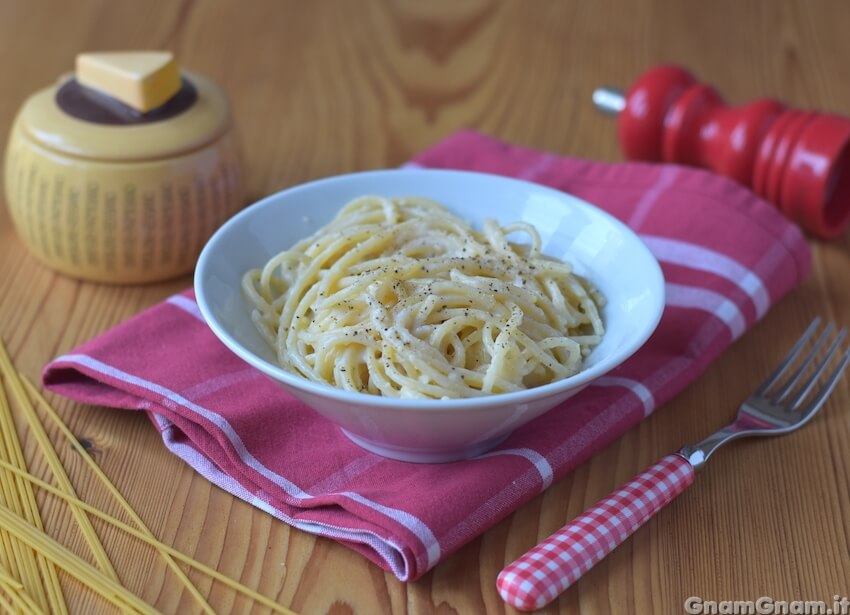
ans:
(798, 160)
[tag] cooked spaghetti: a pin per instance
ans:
(398, 297)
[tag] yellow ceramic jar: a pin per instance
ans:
(121, 198)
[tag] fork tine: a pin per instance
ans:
(819, 369)
(830, 383)
(785, 389)
(789, 358)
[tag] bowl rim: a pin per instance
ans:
(290, 379)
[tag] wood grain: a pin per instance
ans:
(321, 88)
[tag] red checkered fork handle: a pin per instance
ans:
(539, 576)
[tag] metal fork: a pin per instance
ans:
(785, 401)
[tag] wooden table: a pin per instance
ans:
(321, 88)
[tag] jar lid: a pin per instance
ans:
(204, 119)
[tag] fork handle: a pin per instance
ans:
(538, 577)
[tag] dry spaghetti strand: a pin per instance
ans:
(36, 428)
(143, 533)
(74, 565)
(26, 395)
(215, 574)
(26, 506)
(18, 594)
(18, 384)
(20, 559)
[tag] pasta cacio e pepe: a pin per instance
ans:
(399, 297)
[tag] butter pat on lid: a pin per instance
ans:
(143, 80)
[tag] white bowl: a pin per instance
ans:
(599, 247)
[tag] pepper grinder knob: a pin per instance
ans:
(798, 160)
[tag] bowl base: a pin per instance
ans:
(421, 455)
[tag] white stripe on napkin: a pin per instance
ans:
(537, 460)
(222, 381)
(694, 297)
(177, 399)
(538, 167)
(650, 196)
(390, 552)
(638, 388)
(696, 257)
(187, 305)
(403, 518)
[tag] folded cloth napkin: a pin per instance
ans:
(727, 257)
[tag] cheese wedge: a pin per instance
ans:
(142, 80)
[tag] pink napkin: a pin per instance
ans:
(727, 257)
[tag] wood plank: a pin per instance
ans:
(320, 88)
